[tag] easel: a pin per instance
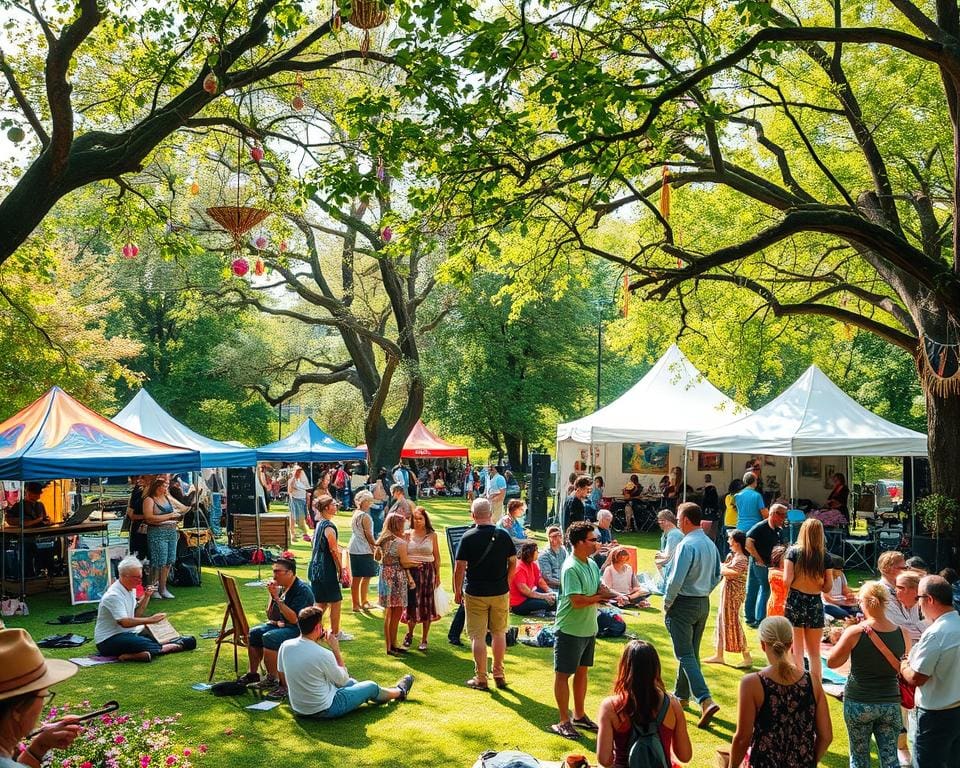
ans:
(239, 630)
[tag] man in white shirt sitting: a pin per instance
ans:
(120, 619)
(316, 679)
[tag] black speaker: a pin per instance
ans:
(241, 491)
(538, 490)
(916, 478)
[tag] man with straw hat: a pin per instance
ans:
(25, 679)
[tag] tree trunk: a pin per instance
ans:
(513, 451)
(943, 436)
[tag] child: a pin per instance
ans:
(619, 577)
(778, 593)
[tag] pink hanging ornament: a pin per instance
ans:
(240, 266)
(283, 246)
(387, 234)
(297, 102)
(260, 242)
(127, 251)
(256, 152)
(210, 84)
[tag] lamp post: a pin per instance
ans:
(600, 303)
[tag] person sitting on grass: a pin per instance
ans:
(529, 592)
(618, 575)
(120, 619)
(316, 679)
(288, 595)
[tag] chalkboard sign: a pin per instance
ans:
(241, 491)
(454, 534)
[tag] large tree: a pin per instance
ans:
(827, 133)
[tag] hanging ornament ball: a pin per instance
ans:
(387, 234)
(259, 267)
(16, 134)
(553, 53)
(260, 242)
(194, 189)
(337, 22)
(240, 266)
(256, 152)
(130, 251)
(283, 246)
(297, 103)
(210, 84)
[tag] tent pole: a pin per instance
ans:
(23, 572)
(793, 482)
(683, 481)
(913, 502)
(256, 518)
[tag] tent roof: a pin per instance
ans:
(145, 416)
(308, 443)
(813, 417)
(673, 398)
(423, 443)
(58, 437)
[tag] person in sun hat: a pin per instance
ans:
(25, 681)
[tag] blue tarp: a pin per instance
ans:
(57, 437)
(309, 443)
(145, 416)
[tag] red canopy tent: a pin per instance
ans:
(424, 444)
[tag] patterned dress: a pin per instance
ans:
(785, 732)
(778, 593)
(733, 592)
(392, 587)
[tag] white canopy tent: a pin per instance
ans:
(672, 399)
(813, 417)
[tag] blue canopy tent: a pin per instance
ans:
(145, 416)
(309, 443)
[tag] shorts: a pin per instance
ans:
(486, 614)
(571, 652)
(803, 610)
(162, 541)
(298, 509)
(363, 566)
(270, 636)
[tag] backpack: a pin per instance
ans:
(646, 749)
(610, 623)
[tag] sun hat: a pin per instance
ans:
(23, 668)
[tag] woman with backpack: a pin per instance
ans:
(641, 725)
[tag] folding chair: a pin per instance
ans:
(856, 553)
(888, 539)
(238, 631)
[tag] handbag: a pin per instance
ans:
(908, 692)
(441, 601)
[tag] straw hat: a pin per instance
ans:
(23, 668)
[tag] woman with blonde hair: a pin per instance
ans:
(805, 575)
(782, 714)
(393, 584)
(871, 696)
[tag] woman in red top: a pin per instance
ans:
(638, 696)
(528, 589)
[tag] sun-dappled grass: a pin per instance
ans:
(444, 723)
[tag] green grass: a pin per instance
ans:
(444, 723)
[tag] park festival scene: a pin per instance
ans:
(556, 384)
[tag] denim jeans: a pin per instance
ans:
(376, 516)
(352, 696)
(839, 611)
(531, 605)
(882, 722)
(685, 621)
(758, 593)
(938, 738)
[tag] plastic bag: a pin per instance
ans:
(441, 601)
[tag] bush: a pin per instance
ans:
(939, 513)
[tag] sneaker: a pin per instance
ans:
(249, 677)
(307, 538)
(267, 684)
(405, 684)
(166, 594)
(277, 694)
(344, 636)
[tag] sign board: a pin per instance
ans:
(241, 491)
(454, 534)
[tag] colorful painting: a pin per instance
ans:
(810, 466)
(89, 571)
(645, 457)
(709, 462)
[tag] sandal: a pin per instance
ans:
(566, 730)
(397, 651)
(477, 685)
(422, 647)
(408, 639)
(501, 682)
(586, 723)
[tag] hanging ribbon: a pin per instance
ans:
(940, 367)
(665, 194)
(626, 294)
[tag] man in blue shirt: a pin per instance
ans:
(496, 491)
(686, 606)
(750, 505)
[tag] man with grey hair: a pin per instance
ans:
(761, 539)
(120, 619)
(400, 504)
(605, 534)
(485, 563)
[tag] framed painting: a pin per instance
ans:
(645, 457)
(89, 571)
(829, 470)
(709, 462)
(810, 466)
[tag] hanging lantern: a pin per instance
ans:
(260, 243)
(240, 266)
(130, 251)
(283, 246)
(259, 267)
(387, 234)
(237, 220)
(194, 189)
(297, 102)
(256, 152)
(367, 15)
(210, 84)
(381, 171)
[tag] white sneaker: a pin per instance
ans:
(157, 596)
(167, 595)
(341, 635)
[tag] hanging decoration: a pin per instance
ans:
(130, 251)
(297, 102)
(626, 294)
(367, 15)
(940, 366)
(259, 267)
(260, 243)
(387, 234)
(240, 266)
(238, 219)
(210, 84)
(256, 153)
(665, 194)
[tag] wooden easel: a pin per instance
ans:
(238, 631)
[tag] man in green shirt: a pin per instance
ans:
(576, 628)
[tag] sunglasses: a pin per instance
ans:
(592, 538)
(922, 596)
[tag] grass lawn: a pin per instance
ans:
(444, 723)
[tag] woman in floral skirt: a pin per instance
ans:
(394, 579)
(730, 635)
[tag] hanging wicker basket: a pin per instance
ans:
(367, 15)
(237, 219)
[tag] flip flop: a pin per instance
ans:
(566, 730)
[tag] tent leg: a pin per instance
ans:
(684, 481)
(913, 502)
(793, 482)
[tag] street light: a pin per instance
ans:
(601, 303)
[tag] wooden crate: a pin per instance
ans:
(274, 531)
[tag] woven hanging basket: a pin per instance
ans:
(237, 219)
(367, 14)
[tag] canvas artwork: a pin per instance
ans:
(709, 462)
(89, 571)
(645, 457)
(829, 470)
(810, 466)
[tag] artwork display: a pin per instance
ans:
(645, 457)
(89, 571)
(810, 466)
(829, 470)
(709, 462)
(588, 464)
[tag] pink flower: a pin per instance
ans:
(187, 752)
(119, 739)
(171, 759)
(86, 764)
(203, 749)
(144, 761)
(66, 763)
(53, 712)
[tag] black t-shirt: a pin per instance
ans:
(572, 510)
(765, 539)
(486, 576)
(298, 597)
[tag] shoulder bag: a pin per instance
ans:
(907, 691)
